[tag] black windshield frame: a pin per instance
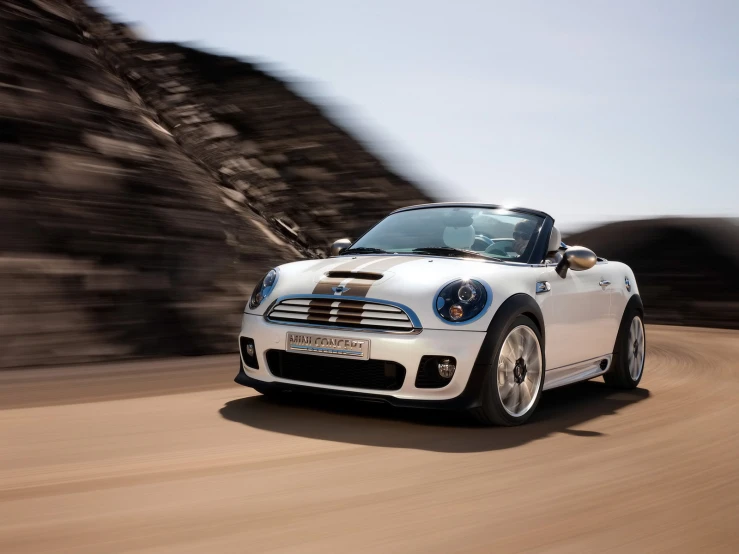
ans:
(536, 250)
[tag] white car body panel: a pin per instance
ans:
(581, 317)
(578, 307)
(405, 349)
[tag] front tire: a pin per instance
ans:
(513, 384)
(629, 354)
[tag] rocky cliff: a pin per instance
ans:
(145, 188)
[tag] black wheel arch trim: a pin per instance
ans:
(634, 303)
(512, 307)
(518, 304)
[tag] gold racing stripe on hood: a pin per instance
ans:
(359, 287)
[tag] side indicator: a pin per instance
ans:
(543, 286)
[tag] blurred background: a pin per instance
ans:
(152, 171)
(157, 157)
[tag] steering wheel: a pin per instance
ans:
(486, 242)
(500, 248)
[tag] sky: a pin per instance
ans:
(589, 110)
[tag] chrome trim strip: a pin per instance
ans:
(412, 331)
(375, 308)
(412, 317)
(580, 371)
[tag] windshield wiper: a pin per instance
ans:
(449, 251)
(364, 250)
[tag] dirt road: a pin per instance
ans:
(174, 457)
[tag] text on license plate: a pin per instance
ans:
(328, 346)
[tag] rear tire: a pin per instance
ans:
(512, 387)
(629, 352)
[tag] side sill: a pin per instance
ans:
(580, 371)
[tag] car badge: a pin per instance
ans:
(338, 290)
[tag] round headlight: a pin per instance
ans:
(263, 288)
(467, 293)
(270, 278)
(461, 300)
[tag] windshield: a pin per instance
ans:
(493, 233)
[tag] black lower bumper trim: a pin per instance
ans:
(470, 397)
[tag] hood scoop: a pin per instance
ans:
(354, 275)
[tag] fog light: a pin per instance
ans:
(446, 368)
(249, 352)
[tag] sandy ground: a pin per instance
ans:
(175, 457)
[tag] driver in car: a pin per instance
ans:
(521, 234)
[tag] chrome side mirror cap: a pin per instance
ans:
(576, 258)
(339, 246)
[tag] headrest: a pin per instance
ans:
(459, 237)
(555, 240)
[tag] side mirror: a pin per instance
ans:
(339, 246)
(576, 258)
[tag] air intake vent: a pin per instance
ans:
(342, 313)
(364, 374)
(354, 275)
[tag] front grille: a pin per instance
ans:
(324, 370)
(353, 314)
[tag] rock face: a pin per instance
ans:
(145, 188)
(274, 150)
(686, 267)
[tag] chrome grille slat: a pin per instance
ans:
(341, 313)
(346, 304)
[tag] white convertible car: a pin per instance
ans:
(463, 306)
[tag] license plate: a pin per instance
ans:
(322, 345)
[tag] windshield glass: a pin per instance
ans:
(490, 232)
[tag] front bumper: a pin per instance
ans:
(406, 349)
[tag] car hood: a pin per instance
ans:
(412, 281)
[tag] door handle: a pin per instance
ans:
(604, 283)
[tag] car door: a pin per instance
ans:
(577, 315)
